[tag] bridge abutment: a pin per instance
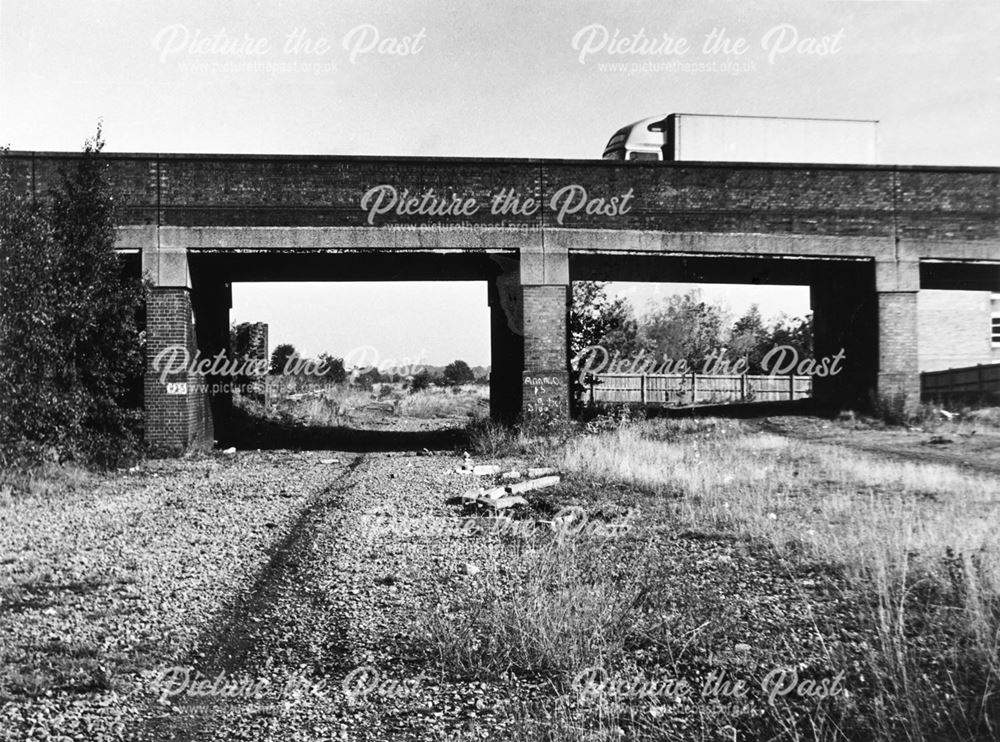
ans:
(506, 348)
(211, 302)
(177, 411)
(897, 284)
(545, 286)
(844, 306)
(868, 312)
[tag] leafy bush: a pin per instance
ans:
(420, 381)
(69, 323)
(333, 369)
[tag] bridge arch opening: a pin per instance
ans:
(836, 297)
(400, 321)
(670, 346)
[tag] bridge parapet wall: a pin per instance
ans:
(908, 202)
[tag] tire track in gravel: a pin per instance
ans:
(255, 633)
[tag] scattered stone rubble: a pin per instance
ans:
(505, 495)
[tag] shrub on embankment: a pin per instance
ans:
(70, 340)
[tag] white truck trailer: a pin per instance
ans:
(706, 137)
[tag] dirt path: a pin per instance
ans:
(979, 452)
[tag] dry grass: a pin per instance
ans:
(911, 549)
(462, 401)
(545, 616)
(919, 539)
(848, 507)
(48, 479)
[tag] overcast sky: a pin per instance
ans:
(480, 78)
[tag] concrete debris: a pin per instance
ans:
(230, 451)
(494, 493)
(506, 496)
(540, 471)
(502, 503)
(470, 569)
(484, 470)
(473, 495)
(532, 484)
(510, 476)
(498, 498)
(329, 461)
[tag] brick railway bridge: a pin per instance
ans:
(865, 239)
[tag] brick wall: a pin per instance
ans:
(173, 422)
(545, 341)
(218, 190)
(954, 329)
(546, 363)
(899, 374)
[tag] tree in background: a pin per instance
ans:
(69, 323)
(597, 319)
(458, 372)
(333, 368)
(248, 344)
(796, 332)
(368, 378)
(684, 326)
(680, 326)
(280, 356)
(749, 339)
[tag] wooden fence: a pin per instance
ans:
(693, 389)
(969, 382)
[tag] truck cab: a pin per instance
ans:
(642, 140)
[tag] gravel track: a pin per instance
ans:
(340, 593)
(336, 601)
(103, 585)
